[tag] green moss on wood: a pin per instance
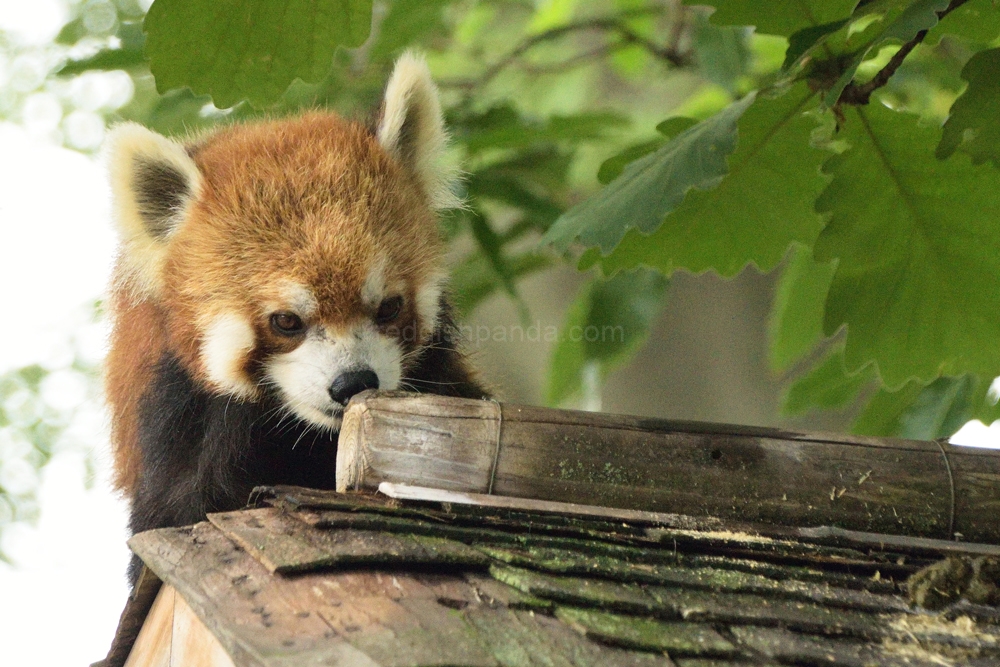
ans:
(648, 634)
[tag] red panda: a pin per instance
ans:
(267, 273)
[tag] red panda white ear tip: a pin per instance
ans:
(153, 179)
(412, 129)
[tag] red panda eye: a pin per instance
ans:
(389, 310)
(287, 324)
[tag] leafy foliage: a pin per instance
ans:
(924, 412)
(796, 325)
(654, 185)
(609, 320)
(249, 49)
(35, 425)
(977, 112)
(976, 20)
(827, 386)
(781, 17)
(752, 215)
(912, 250)
(902, 26)
(804, 147)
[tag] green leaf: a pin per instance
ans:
(917, 241)
(802, 42)
(475, 280)
(797, 316)
(976, 20)
(605, 326)
(105, 59)
(674, 125)
(653, 185)
(722, 53)
(827, 386)
(940, 409)
(32, 376)
(178, 113)
(778, 17)
(408, 22)
(921, 412)
(613, 166)
(754, 213)
(921, 15)
(129, 53)
(503, 127)
(882, 414)
(985, 406)
(249, 49)
(72, 32)
(974, 123)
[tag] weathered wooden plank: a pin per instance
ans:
(565, 562)
(429, 494)
(361, 618)
(525, 639)
(750, 474)
(828, 535)
(192, 645)
(284, 544)
(503, 531)
(518, 526)
(695, 606)
(648, 634)
(140, 600)
(152, 645)
(258, 623)
(407, 632)
(793, 648)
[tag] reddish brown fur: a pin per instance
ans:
(313, 200)
(129, 366)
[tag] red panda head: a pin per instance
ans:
(300, 256)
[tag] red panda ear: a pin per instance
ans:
(412, 129)
(153, 180)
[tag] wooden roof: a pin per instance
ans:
(320, 578)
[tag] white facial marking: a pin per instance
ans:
(373, 290)
(227, 340)
(304, 375)
(428, 303)
(297, 298)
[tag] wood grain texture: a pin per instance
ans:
(748, 474)
(192, 644)
(152, 645)
(282, 544)
(361, 617)
(560, 589)
(140, 601)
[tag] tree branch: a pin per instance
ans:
(858, 94)
(607, 24)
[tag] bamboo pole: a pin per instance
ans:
(879, 485)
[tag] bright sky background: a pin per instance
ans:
(60, 604)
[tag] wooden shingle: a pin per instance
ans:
(321, 578)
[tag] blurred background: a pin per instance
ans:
(539, 95)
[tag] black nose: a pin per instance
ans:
(351, 383)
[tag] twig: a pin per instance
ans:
(856, 94)
(607, 24)
(668, 53)
(573, 61)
